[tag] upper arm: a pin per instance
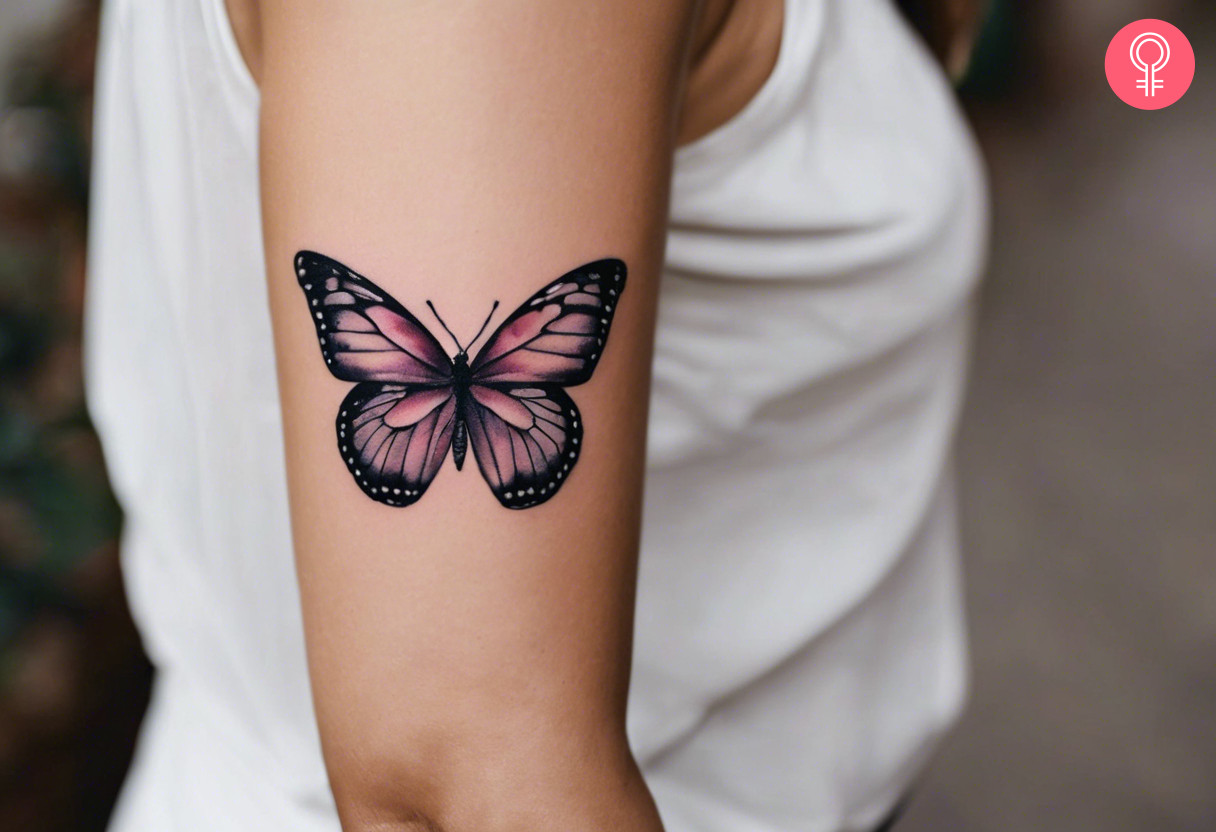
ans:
(464, 152)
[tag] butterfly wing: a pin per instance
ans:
(394, 438)
(396, 425)
(366, 335)
(526, 440)
(557, 336)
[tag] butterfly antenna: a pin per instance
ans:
(435, 312)
(484, 325)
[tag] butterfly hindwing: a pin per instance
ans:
(558, 335)
(526, 440)
(364, 334)
(394, 438)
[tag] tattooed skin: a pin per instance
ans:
(413, 402)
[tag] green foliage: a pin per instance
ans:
(56, 510)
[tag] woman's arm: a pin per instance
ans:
(469, 662)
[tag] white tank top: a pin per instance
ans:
(799, 645)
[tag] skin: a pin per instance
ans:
(470, 664)
(735, 44)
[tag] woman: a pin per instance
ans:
(425, 215)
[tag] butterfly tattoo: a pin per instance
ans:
(412, 402)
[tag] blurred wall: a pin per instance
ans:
(1088, 451)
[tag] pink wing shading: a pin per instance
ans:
(394, 437)
(557, 336)
(365, 335)
(526, 440)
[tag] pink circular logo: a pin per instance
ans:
(1150, 64)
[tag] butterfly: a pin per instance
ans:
(412, 402)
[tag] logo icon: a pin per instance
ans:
(1150, 83)
(1150, 64)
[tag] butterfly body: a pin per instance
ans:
(413, 402)
(461, 379)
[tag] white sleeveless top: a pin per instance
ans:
(799, 644)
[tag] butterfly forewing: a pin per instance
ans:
(558, 335)
(366, 335)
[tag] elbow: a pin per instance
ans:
(503, 772)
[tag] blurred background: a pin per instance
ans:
(1088, 447)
